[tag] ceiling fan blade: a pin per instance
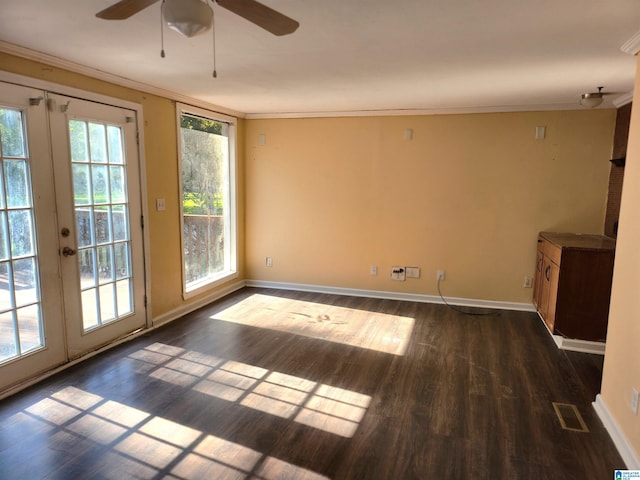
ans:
(261, 15)
(124, 9)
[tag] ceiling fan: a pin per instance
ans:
(251, 10)
(593, 99)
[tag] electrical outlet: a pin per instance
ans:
(398, 273)
(634, 400)
(528, 282)
(440, 275)
(269, 262)
(373, 270)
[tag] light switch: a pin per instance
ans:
(160, 206)
(412, 272)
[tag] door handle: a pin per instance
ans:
(67, 251)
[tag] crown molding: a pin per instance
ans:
(58, 62)
(632, 46)
(416, 112)
(623, 99)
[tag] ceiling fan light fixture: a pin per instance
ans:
(593, 99)
(187, 17)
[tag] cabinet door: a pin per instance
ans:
(550, 276)
(537, 284)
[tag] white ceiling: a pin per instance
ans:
(355, 55)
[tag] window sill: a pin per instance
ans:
(208, 284)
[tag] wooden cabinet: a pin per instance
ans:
(572, 286)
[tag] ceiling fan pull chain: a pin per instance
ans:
(213, 28)
(162, 29)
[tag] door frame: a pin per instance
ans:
(47, 86)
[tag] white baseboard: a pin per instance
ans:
(625, 449)
(201, 302)
(354, 292)
(411, 297)
(575, 345)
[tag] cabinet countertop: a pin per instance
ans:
(580, 241)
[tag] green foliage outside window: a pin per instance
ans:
(11, 136)
(194, 204)
(202, 166)
(201, 124)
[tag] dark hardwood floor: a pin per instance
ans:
(268, 384)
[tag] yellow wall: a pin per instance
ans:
(622, 357)
(160, 143)
(327, 198)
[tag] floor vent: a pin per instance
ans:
(570, 417)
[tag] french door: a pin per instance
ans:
(99, 220)
(71, 259)
(31, 320)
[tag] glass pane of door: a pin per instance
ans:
(101, 215)
(21, 327)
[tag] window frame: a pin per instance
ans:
(231, 271)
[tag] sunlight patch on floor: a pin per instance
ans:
(324, 407)
(359, 328)
(145, 446)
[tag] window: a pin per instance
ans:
(207, 158)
